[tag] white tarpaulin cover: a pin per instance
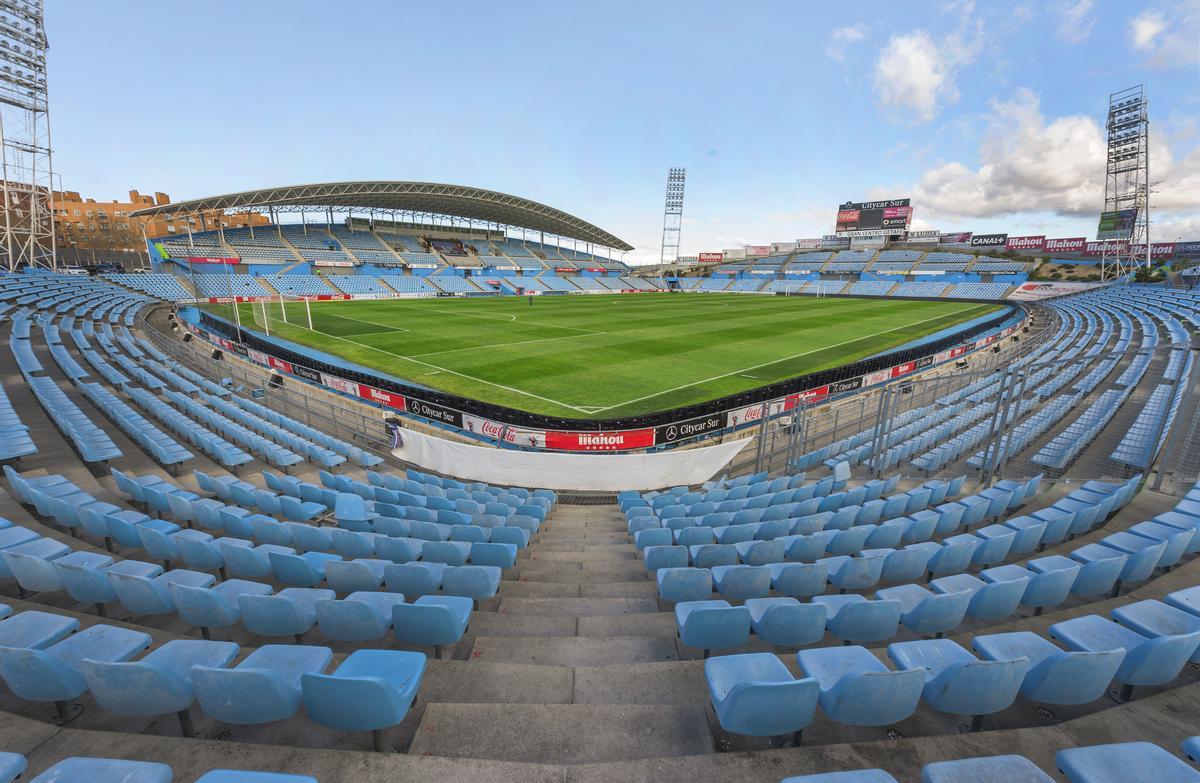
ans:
(590, 472)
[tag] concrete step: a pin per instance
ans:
(561, 733)
(573, 650)
(648, 624)
(574, 555)
(576, 607)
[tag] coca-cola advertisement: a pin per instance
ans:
(600, 441)
(753, 413)
(341, 384)
(504, 433)
(1069, 245)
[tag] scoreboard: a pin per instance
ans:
(874, 218)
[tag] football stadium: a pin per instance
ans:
(386, 479)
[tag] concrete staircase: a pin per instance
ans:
(576, 638)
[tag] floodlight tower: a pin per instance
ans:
(673, 215)
(26, 175)
(1127, 182)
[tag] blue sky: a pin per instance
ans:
(988, 115)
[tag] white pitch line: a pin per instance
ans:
(365, 321)
(783, 359)
(434, 366)
(505, 345)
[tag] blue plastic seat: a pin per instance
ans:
(304, 570)
(990, 600)
(432, 620)
(240, 558)
(39, 575)
(290, 612)
(471, 581)
(905, 565)
(216, 606)
(855, 573)
(656, 557)
(1055, 676)
(799, 580)
(93, 770)
(52, 674)
(755, 694)
(925, 612)
(1101, 572)
(35, 630)
(853, 618)
(684, 584)
(12, 765)
(360, 616)
(1123, 761)
(1144, 554)
(741, 582)
(1157, 619)
(856, 688)
(370, 691)
(1178, 540)
(786, 621)
(263, 687)
(158, 684)
(351, 576)
(150, 595)
(712, 625)
(1148, 661)
(497, 554)
(414, 579)
(956, 681)
(846, 776)
(986, 769)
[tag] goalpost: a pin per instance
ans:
(283, 315)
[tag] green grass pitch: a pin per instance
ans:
(606, 356)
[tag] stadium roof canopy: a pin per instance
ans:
(428, 198)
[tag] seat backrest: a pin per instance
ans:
(135, 688)
(38, 675)
(1072, 677)
(244, 696)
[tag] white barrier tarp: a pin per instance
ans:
(561, 471)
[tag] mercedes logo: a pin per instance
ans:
(672, 432)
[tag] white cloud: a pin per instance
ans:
(1170, 38)
(842, 37)
(915, 73)
(1075, 20)
(1028, 163)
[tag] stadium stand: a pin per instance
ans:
(843, 601)
(452, 284)
(229, 285)
(300, 285)
(160, 286)
(358, 284)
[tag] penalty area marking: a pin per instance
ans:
(432, 366)
(786, 358)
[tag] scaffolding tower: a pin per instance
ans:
(673, 215)
(26, 174)
(1126, 245)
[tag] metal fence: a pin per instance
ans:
(1109, 416)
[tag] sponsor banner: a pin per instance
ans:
(1109, 247)
(710, 258)
(1032, 292)
(303, 372)
(240, 349)
(957, 351)
(734, 253)
(566, 269)
(903, 369)
(279, 364)
(600, 441)
(755, 251)
(227, 300)
(1117, 224)
(848, 385)
(595, 269)
(1157, 250)
(874, 378)
(209, 260)
(782, 247)
(752, 413)
(961, 238)
(925, 361)
(421, 266)
(382, 397)
(330, 297)
(941, 357)
(808, 244)
(340, 384)
(875, 232)
(923, 237)
(873, 216)
(835, 243)
(1025, 243)
(332, 263)
(504, 432)
(806, 397)
(1190, 249)
(438, 413)
(989, 240)
(258, 357)
(689, 428)
(1071, 245)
